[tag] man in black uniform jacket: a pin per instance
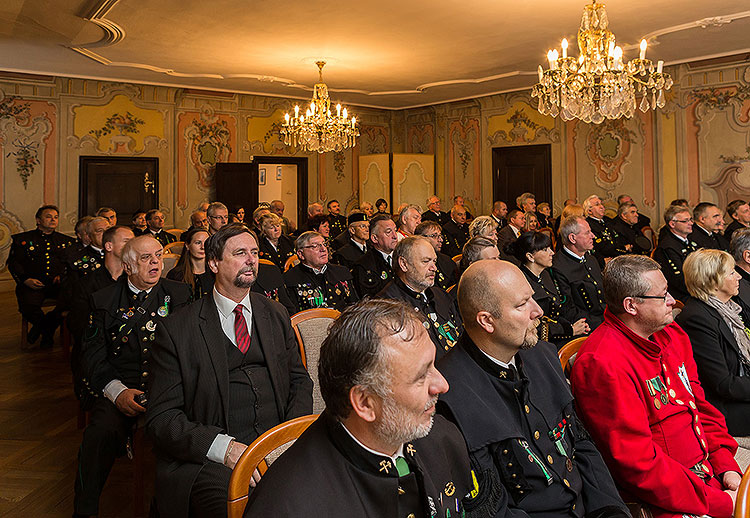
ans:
(375, 269)
(605, 237)
(643, 220)
(315, 283)
(708, 222)
(37, 263)
(577, 273)
(433, 212)
(336, 221)
(414, 268)
(529, 452)
(447, 272)
(155, 229)
(498, 214)
(357, 235)
(91, 256)
(377, 450)
(739, 211)
(630, 239)
(116, 356)
(455, 232)
(674, 247)
(225, 369)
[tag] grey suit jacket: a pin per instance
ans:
(188, 395)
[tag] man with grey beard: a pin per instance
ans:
(225, 369)
(530, 454)
(378, 449)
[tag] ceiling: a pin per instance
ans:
(387, 54)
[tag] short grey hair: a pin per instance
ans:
(92, 221)
(213, 207)
(405, 247)
(623, 277)
(304, 238)
(624, 206)
(740, 243)
(571, 225)
(672, 212)
(473, 250)
(481, 225)
(523, 198)
(587, 203)
(405, 210)
(129, 254)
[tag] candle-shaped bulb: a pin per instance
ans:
(296, 110)
(338, 110)
(659, 66)
(555, 55)
(564, 46)
(541, 73)
(286, 118)
(611, 48)
(345, 114)
(549, 57)
(643, 49)
(354, 121)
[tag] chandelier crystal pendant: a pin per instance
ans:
(318, 129)
(598, 84)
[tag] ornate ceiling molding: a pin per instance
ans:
(703, 23)
(113, 33)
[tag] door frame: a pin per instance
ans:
(547, 148)
(83, 175)
(302, 171)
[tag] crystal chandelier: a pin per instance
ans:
(598, 84)
(319, 130)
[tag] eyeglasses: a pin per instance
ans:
(434, 236)
(659, 297)
(317, 246)
(690, 220)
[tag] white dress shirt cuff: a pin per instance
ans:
(218, 448)
(113, 389)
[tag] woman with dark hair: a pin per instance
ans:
(533, 250)
(239, 211)
(274, 245)
(191, 266)
(139, 222)
(381, 206)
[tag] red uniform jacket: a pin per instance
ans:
(645, 409)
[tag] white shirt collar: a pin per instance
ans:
(136, 290)
(516, 231)
(226, 305)
(683, 239)
(399, 452)
(498, 362)
(316, 271)
(571, 252)
(101, 252)
(385, 256)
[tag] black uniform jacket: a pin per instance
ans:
(554, 327)
(442, 319)
(579, 282)
(447, 272)
(348, 254)
(279, 255)
(630, 235)
(671, 253)
(441, 218)
(270, 282)
(606, 240)
(188, 403)
(80, 307)
(724, 376)
(204, 282)
(530, 453)
(454, 238)
(35, 255)
(743, 297)
(333, 288)
(83, 261)
(734, 225)
(333, 476)
(162, 236)
(371, 273)
(118, 341)
(701, 237)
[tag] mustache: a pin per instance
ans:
(432, 401)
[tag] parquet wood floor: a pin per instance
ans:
(39, 438)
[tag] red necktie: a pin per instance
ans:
(240, 329)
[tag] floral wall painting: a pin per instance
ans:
(208, 138)
(118, 127)
(339, 163)
(521, 124)
(263, 135)
(421, 139)
(26, 156)
(608, 147)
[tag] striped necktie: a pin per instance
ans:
(240, 329)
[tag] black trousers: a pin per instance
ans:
(208, 496)
(104, 439)
(30, 306)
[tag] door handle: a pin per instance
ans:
(148, 185)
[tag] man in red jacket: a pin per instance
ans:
(637, 390)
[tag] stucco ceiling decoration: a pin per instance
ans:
(397, 56)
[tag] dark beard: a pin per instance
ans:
(239, 283)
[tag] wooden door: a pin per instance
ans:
(127, 184)
(520, 169)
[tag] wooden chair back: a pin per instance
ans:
(550, 233)
(260, 454)
(457, 260)
(174, 248)
(649, 233)
(310, 329)
(176, 232)
(266, 261)
(291, 262)
(568, 351)
(451, 288)
(169, 261)
(742, 507)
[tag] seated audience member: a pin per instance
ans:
(381, 206)
(116, 361)
(740, 248)
(544, 215)
(270, 283)
(377, 449)
(529, 453)
(643, 220)
(664, 229)
(716, 328)
(335, 219)
(605, 237)
(375, 269)
(274, 245)
(357, 235)
(447, 273)
(191, 266)
(82, 237)
(204, 206)
(408, 219)
(414, 267)
(287, 226)
(739, 211)
(533, 251)
(138, 223)
(434, 212)
(526, 202)
(198, 219)
(320, 224)
(530, 222)
(499, 211)
(90, 257)
(476, 249)
(239, 211)
(577, 273)
(37, 263)
(483, 226)
(218, 216)
(708, 223)
(563, 215)
(459, 200)
(367, 208)
(313, 209)
(673, 248)
(260, 211)
(201, 418)
(455, 232)
(512, 230)
(630, 239)
(314, 282)
(109, 214)
(637, 390)
(155, 222)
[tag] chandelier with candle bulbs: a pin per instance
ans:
(318, 129)
(598, 84)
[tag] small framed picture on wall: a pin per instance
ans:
(278, 172)
(262, 176)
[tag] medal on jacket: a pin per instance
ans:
(658, 391)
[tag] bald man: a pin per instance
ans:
(530, 454)
(434, 211)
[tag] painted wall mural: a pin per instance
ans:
(421, 139)
(522, 124)
(374, 139)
